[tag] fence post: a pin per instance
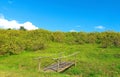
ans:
(39, 65)
(75, 60)
(58, 65)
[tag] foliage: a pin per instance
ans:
(22, 28)
(58, 36)
(16, 41)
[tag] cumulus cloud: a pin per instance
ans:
(73, 30)
(13, 24)
(100, 27)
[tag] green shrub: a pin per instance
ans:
(58, 36)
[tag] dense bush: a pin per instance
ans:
(16, 41)
(58, 36)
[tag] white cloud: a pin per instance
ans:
(13, 24)
(73, 30)
(100, 27)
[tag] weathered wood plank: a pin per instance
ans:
(62, 66)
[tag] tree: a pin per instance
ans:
(22, 28)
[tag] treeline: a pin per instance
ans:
(16, 41)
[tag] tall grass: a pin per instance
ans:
(92, 61)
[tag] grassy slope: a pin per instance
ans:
(92, 62)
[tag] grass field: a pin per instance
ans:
(92, 61)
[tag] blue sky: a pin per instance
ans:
(64, 15)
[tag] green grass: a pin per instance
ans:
(92, 61)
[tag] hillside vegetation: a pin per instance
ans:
(99, 53)
(16, 41)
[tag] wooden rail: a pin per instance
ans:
(58, 66)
